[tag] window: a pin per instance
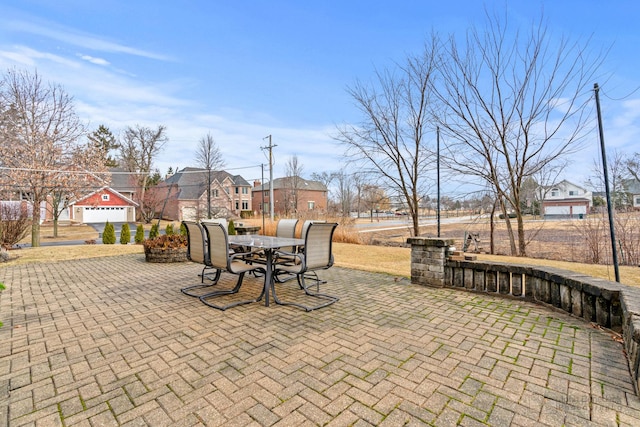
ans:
(637, 201)
(237, 205)
(245, 205)
(245, 190)
(311, 205)
(555, 192)
(237, 190)
(214, 192)
(105, 197)
(573, 193)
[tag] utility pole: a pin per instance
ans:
(270, 147)
(612, 231)
(438, 168)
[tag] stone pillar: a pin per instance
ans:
(428, 256)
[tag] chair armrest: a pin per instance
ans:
(289, 256)
(243, 254)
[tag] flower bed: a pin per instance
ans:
(166, 248)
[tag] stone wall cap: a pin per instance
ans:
(430, 241)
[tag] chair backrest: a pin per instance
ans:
(222, 221)
(196, 249)
(286, 228)
(306, 224)
(218, 244)
(317, 245)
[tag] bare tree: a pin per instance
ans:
(391, 142)
(344, 192)
(513, 104)
(39, 134)
(618, 165)
(293, 184)
(139, 147)
(209, 157)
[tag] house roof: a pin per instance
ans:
(631, 185)
(107, 189)
(285, 183)
(121, 180)
(192, 182)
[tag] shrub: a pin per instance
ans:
(231, 228)
(139, 237)
(125, 234)
(169, 230)
(166, 241)
(154, 232)
(14, 223)
(183, 229)
(109, 234)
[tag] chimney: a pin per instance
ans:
(257, 183)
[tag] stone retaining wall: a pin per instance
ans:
(608, 304)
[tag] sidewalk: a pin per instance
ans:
(113, 342)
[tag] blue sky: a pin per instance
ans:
(243, 70)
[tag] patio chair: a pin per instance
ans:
(197, 252)
(222, 260)
(316, 255)
(305, 226)
(285, 228)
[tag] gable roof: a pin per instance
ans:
(192, 182)
(284, 183)
(103, 189)
(631, 185)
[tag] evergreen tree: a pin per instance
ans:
(109, 234)
(103, 139)
(183, 229)
(139, 238)
(232, 228)
(125, 234)
(169, 230)
(154, 232)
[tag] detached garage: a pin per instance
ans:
(104, 205)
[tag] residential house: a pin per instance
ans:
(564, 200)
(102, 205)
(188, 195)
(632, 187)
(290, 195)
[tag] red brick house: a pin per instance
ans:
(290, 195)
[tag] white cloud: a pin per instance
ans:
(76, 38)
(91, 59)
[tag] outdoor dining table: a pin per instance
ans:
(269, 244)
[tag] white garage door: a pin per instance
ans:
(104, 214)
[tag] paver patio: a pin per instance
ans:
(113, 342)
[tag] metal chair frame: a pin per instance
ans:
(222, 260)
(316, 255)
(197, 252)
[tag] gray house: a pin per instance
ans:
(187, 190)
